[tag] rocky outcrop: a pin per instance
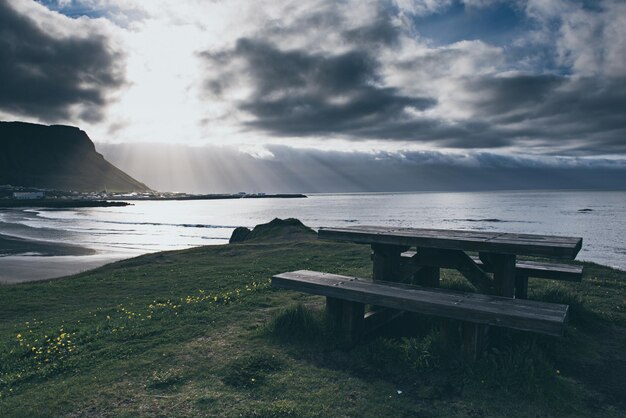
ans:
(277, 229)
(57, 157)
(239, 234)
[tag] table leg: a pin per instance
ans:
(387, 266)
(386, 261)
(334, 309)
(474, 339)
(503, 274)
(348, 317)
(521, 286)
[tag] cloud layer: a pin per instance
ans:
(54, 68)
(371, 75)
(497, 77)
(296, 93)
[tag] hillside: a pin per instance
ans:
(200, 332)
(57, 157)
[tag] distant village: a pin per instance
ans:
(32, 193)
(9, 192)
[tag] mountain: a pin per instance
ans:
(57, 157)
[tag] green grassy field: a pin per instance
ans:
(201, 333)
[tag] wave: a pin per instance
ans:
(483, 220)
(185, 225)
(33, 214)
(487, 220)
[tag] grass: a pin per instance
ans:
(201, 333)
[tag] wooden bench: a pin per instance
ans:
(523, 270)
(347, 297)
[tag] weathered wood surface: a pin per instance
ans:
(541, 270)
(347, 315)
(503, 273)
(502, 243)
(453, 259)
(541, 317)
(386, 261)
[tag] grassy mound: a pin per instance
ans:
(200, 332)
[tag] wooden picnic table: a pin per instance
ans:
(438, 248)
(500, 301)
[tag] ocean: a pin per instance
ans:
(148, 226)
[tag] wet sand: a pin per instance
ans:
(24, 260)
(10, 245)
(20, 269)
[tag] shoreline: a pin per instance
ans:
(123, 200)
(16, 246)
(59, 203)
(30, 269)
(225, 196)
(28, 260)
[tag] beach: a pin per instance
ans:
(26, 260)
(10, 245)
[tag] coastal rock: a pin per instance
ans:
(239, 234)
(277, 229)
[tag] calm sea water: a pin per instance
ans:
(115, 233)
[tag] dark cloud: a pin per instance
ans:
(501, 95)
(296, 93)
(44, 76)
(381, 32)
(378, 77)
(329, 19)
(556, 110)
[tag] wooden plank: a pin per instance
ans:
(505, 243)
(521, 286)
(550, 270)
(327, 279)
(503, 274)
(474, 339)
(347, 316)
(387, 262)
(547, 318)
(333, 309)
(541, 270)
(352, 321)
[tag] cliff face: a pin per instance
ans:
(57, 157)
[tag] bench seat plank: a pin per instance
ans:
(541, 317)
(541, 270)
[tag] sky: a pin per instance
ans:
(214, 96)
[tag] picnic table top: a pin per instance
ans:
(493, 242)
